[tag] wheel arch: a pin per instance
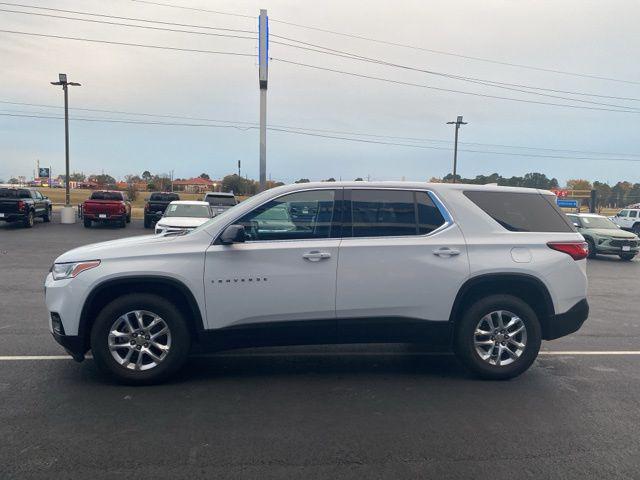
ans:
(167, 287)
(527, 287)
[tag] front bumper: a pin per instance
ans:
(563, 324)
(617, 246)
(72, 344)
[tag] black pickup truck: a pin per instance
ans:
(23, 205)
(156, 205)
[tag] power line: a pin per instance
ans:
(159, 47)
(342, 132)
(458, 55)
(196, 9)
(116, 17)
(399, 82)
(335, 137)
(149, 27)
(456, 77)
(328, 52)
(346, 55)
(402, 45)
(354, 56)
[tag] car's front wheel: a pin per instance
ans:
(498, 337)
(140, 339)
(627, 256)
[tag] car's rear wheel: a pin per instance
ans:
(498, 337)
(592, 248)
(47, 216)
(87, 223)
(140, 339)
(636, 229)
(627, 256)
(29, 219)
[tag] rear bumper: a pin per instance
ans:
(13, 217)
(565, 323)
(95, 217)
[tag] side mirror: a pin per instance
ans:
(233, 234)
(577, 225)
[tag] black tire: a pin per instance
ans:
(29, 220)
(636, 228)
(87, 223)
(122, 223)
(129, 218)
(147, 222)
(180, 339)
(627, 256)
(47, 216)
(465, 333)
(592, 248)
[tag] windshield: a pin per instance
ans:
(114, 196)
(597, 222)
(185, 210)
(14, 193)
(222, 200)
(164, 197)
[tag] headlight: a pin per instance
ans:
(63, 271)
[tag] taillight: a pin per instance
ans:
(146, 207)
(577, 250)
(21, 205)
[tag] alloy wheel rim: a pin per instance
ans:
(139, 340)
(500, 338)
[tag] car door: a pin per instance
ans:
(38, 202)
(285, 271)
(402, 262)
(622, 218)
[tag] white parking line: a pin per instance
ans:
(12, 358)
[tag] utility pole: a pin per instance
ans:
(239, 174)
(263, 77)
(68, 215)
(457, 123)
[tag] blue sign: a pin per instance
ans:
(567, 203)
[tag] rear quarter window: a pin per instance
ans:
(522, 212)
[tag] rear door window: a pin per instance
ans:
(392, 213)
(633, 213)
(522, 212)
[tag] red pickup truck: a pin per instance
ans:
(106, 206)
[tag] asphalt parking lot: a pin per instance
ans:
(315, 412)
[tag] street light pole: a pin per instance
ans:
(67, 214)
(457, 123)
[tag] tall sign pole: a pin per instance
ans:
(263, 76)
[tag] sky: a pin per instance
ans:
(594, 38)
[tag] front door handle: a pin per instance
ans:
(446, 252)
(316, 256)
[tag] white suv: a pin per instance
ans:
(628, 219)
(487, 271)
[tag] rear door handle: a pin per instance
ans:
(446, 252)
(316, 256)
